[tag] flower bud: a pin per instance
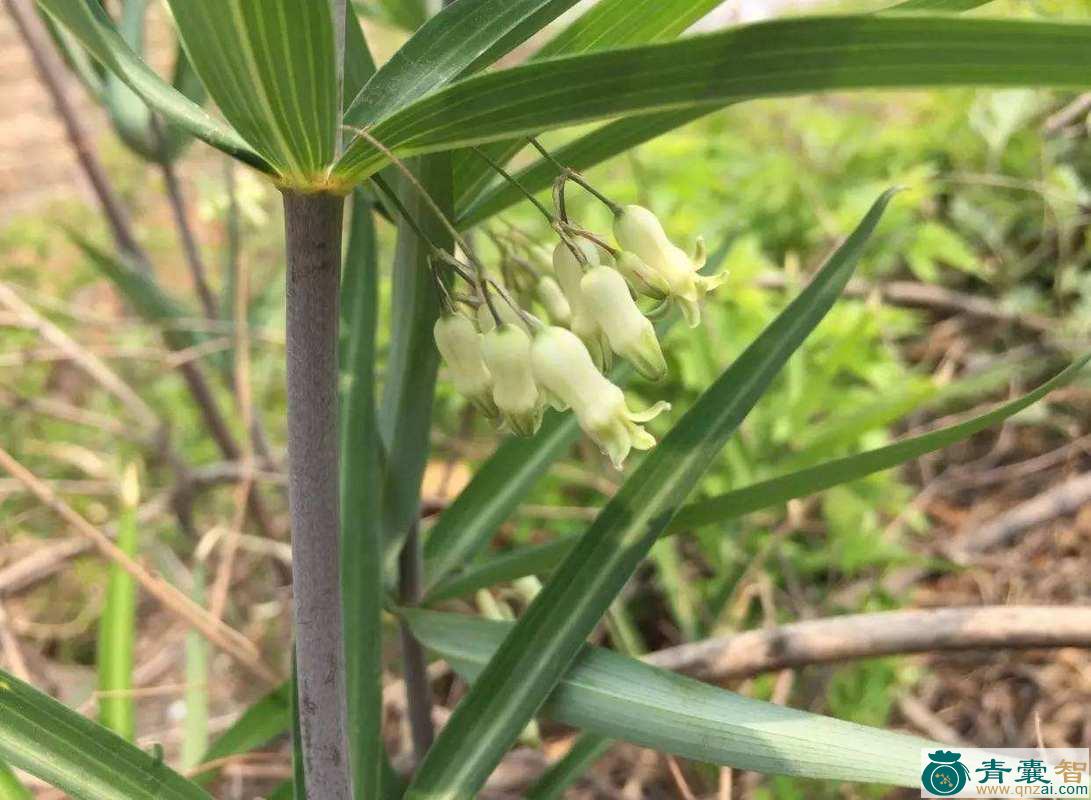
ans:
(564, 370)
(552, 296)
(506, 351)
(606, 297)
(638, 230)
(460, 345)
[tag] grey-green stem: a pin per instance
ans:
(312, 225)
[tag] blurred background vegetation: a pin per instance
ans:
(976, 286)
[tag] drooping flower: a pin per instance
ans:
(459, 342)
(607, 299)
(564, 370)
(506, 352)
(552, 297)
(569, 273)
(639, 231)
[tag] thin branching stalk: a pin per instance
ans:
(312, 226)
(52, 72)
(197, 271)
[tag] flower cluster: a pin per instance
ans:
(511, 363)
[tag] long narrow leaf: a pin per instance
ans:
(462, 36)
(607, 24)
(92, 27)
(622, 698)
(266, 719)
(550, 633)
(361, 530)
(89, 762)
(270, 68)
(730, 505)
(586, 750)
(475, 204)
(783, 57)
(605, 142)
(496, 489)
(11, 788)
(406, 411)
(117, 628)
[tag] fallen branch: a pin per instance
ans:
(855, 636)
(1065, 498)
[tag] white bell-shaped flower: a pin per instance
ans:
(607, 299)
(567, 375)
(459, 342)
(552, 297)
(644, 280)
(506, 351)
(639, 231)
(569, 273)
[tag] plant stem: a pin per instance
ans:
(312, 225)
(418, 692)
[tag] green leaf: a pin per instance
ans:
(89, 23)
(476, 204)
(731, 505)
(464, 35)
(270, 67)
(585, 751)
(783, 57)
(605, 142)
(551, 632)
(361, 487)
(11, 788)
(615, 696)
(117, 711)
(263, 721)
(359, 65)
(497, 488)
(413, 361)
(607, 24)
(85, 760)
(407, 14)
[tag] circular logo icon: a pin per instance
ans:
(945, 774)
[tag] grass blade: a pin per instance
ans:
(270, 67)
(608, 23)
(551, 632)
(361, 486)
(11, 788)
(406, 411)
(195, 733)
(116, 634)
(85, 760)
(619, 697)
(463, 36)
(767, 59)
(266, 719)
(730, 505)
(585, 751)
(92, 27)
